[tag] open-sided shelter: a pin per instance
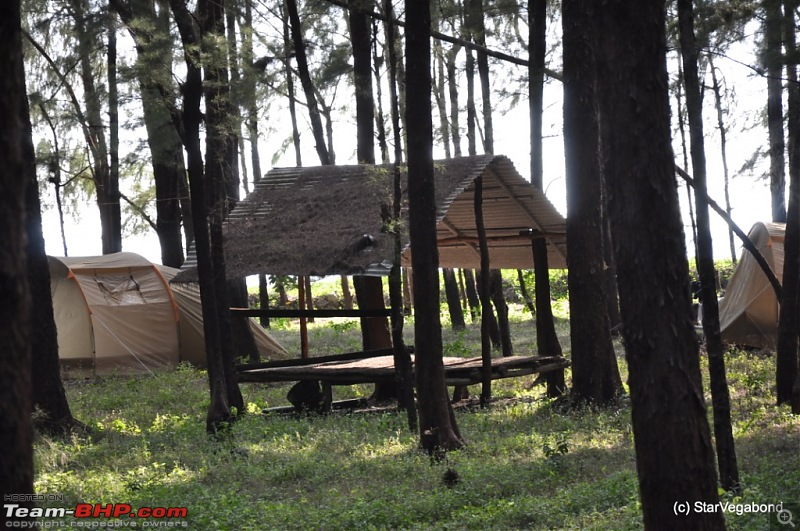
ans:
(748, 313)
(328, 220)
(118, 313)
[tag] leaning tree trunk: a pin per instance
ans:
(720, 397)
(546, 339)
(595, 375)
(47, 388)
(674, 456)
(16, 435)
(438, 428)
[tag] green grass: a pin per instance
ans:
(527, 465)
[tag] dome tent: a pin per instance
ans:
(748, 313)
(118, 313)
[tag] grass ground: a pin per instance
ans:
(527, 465)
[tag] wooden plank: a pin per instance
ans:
(359, 355)
(294, 314)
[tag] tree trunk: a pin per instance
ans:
(263, 299)
(16, 435)
(723, 146)
(674, 456)
(219, 413)
(290, 92)
(222, 184)
(773, 61)
(305, 80)
(452, 86)
(595, 375)
(154, 49)
(369, 290)
(485, 295)
(47, 388)
(107, 192)
(501, 307)
(720, 397)
(453, 300)
(346, 294)
(404, 376)
(786, 370)
(438, 429)
(546, 338)
(472, 294)
(526, 296)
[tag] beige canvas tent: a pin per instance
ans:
(748, 313)
(118, 313)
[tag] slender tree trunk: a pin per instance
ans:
(773, 61)
(595, 375)
(113, 130)
(441, 99)
(526, 296)
(154, 56)
(674, 456)
(472, 294)
(720, 397)
(346, 294)
(369, 290)
(16, 434)
(404, 376)
(47, 388)
(438, 429)
(501, 307)
(453, 300)
(305, 80)
(485, 296)
(452, 86)
(786, 370)
(107, 200)
(219, 412)
(546, 338)
(723, 146)
(263, 300)
(685, 150)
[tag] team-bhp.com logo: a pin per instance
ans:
(118, 511)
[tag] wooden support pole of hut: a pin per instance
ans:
(301, 303)
(486, 346)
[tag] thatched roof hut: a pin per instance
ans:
(328, 220)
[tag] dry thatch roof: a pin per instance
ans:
(330, 220)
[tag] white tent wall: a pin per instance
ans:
(748, 312)
(192, 336)
(118, 313)
(132, 316)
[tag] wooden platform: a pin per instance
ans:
(380, 368)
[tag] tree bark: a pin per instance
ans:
(720, 397)
(219, 413)
(154, 49)
(546, 338)
(674, 456)
(472, 294)
(786, 370)
(438, 429)
(453, 300)
(595, 375)
(16, 434)
(773, 61)
(107, 192)
(404, 376)
(305, 80)
(47, 388)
